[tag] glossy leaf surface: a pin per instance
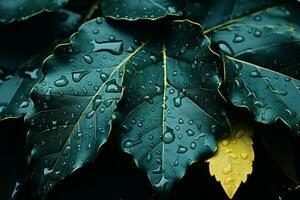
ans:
(135, 9)
(17, 10)
(75, 102)
(212, 14)
(19, 72)
(262, 64)
(172, 104)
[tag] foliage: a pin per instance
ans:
(163, 74)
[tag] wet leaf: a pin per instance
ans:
(15, 89)
(18, 75)
(172, 105)
(135, 9)
(74, 104)
(262, 64)
(213, 14)
(233, 161)
(17, 10)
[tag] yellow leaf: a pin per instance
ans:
(233, 161)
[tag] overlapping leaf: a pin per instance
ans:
(135, 9)
(17, 76)
(172, 105)
(212, 14)
(262, 64)
(17, 10)
(75, 102)
(233, 161)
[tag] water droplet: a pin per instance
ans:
(257, 33)
(130, 49)
(228, 180)
(181, 149)
(131, 143)
(104, 77)
(90, 114)
(176, 163)
(225, 142)
(112, 87)
(225, 48)
(190, 132)
(96, 31)
(168, 136)
(238, 38)
(149, 157)
(88, 59)
(232, 155)
(257, 18)
(24, 104)
(255, 74)
(180, 121)
(244, 156)
(177, 100)
(153, 59)
(97, 102)
(99, 20)
(171, 9)
(32, 74)
(47, 171)
(113, 47)
(111, 38)
(78, 75)
(213, 128)
(238, 66)
(226, 170)
(193, 145)
(61, 82)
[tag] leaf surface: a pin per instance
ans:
(17, 10)
(135, 9)
(74, 104)
(213, 14)
(233, 161)
(19, 72)
(262, 64)
(172, 105)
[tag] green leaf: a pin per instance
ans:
(172, 105)
(135, 9)
(75, 102)
(15, 88)
(262, 64)
(18, 72)
(17, 10)
(212, 14)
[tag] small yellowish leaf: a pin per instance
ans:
(233, 160)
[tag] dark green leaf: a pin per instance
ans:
(262, 64)
(212, 14)
(15, 89)
(172, 103)
(17, 10)
(136, 9)
(17, 74)
(75, 102)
